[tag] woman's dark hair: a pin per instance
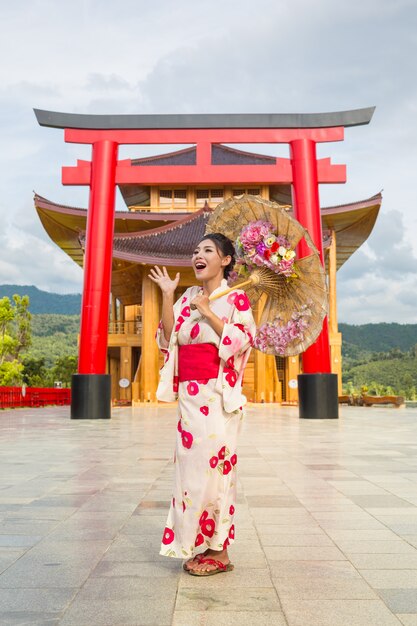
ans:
(225, 246)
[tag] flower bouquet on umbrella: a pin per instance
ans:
(293, 291)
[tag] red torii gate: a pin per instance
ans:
(91, 386)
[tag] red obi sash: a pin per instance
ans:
(198, 361)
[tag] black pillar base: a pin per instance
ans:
(91, 396)
(317, 396)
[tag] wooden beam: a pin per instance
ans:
(335, 338)
(150, 353)
(333, 327)
(126, 372)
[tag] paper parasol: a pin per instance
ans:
(265, 238)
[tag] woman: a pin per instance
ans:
(206, 346)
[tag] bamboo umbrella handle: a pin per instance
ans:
(225, 291)
(229, 289)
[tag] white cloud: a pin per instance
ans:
(370, 286)
(91, 56)
(29, 260)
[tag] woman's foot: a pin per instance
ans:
(191, 563)
(215, 555)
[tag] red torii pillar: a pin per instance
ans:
(91, 386)
(317, 386)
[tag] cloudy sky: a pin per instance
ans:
(217, 56)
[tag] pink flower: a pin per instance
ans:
(227, 341)
(208, 527)
(231, 297)
(179, 427)
(254, 233)
(285, 267)
(231, 362)
(194, 331)
(242, 302)
(204, 410)
(276, 336)
(192, 388)
(231, 376)
(225, 544)
(186, 311)
(213, 461)
(227, 467)
(232, 532)
(222, 453)
(187, 439)
(180, 322)
(231, 510)
(250, 236)
(203, 517)
(233, 276)
(168, 536)
(258, 260)
(199, 539)
(233, 459)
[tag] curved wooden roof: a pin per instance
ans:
(352, 224)
(143, 239)
(65, 224)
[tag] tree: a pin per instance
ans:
(15, 336)
(64, 368)
(11, 373)
(35, 373)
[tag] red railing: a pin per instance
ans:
(14, 397)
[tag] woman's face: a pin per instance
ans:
(208, 262)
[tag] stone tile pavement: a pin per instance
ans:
(326, 522)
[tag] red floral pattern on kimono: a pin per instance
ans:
(209, 420)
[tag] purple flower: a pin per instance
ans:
(282, 241)
(260, 248)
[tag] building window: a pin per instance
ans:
(173, 198)
(211, 196)
(252, 191)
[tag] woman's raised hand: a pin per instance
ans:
(162, 279)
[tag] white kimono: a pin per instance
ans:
(209, 419)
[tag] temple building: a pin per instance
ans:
(161, 226)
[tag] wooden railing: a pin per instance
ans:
(132, 327)
(15, 397)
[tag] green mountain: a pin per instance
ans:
(381, 357)
(398, 374)
(380, 337)
(53, 336)
(44, 301)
